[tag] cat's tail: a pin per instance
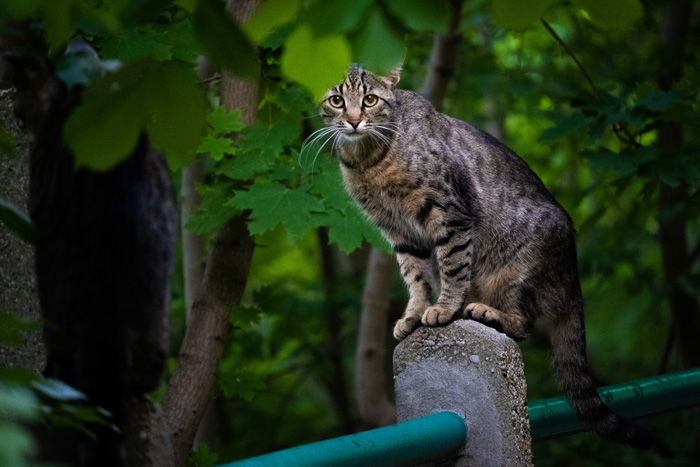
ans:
(571, 369)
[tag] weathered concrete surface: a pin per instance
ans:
(18, 292)
(476, 372)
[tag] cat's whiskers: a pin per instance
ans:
(312, 139)
(333, 134)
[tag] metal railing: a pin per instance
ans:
(433, 437)
(555, 417)
(442, 435)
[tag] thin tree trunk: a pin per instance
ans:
(441, 66)
(193, 250)
(191, 384)
(223, 284)
(370, 364)
(673, 228)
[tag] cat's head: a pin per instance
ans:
(360, 106)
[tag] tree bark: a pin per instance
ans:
(673, 227)
(222, 287)
(441, 66)
(373, 403)
(18, 293)
(193, 250)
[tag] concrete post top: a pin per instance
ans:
(464, 339)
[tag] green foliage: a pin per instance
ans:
(316, 76)
(137, 99)
(202, 457)
(17, 221)
(12, 329)
(519, 15)
(620, 14)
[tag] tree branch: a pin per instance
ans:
(571, 54)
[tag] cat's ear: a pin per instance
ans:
(392, 78)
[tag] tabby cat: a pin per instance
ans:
(467, 216)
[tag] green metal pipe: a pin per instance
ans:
(424, 439)
(555, 417)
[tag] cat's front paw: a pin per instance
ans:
(405, 326)
(438, 315)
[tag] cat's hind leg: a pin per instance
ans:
(513, 324)
(503, 301)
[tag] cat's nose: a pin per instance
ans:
(354, 123)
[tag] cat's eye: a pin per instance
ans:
(336, 101)
(370, 100)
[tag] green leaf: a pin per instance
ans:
(58, 22)
(422, 16)
(243, 385)
(366, 43)
(316, 71)
(334, 16)
(225, 122)
(175, 125)
(216, 146)
(12, 329)
(8, 145)
(261, 145)
(16, 445)
(18, 9)
(618, 14)
(272, 203)
(348, 227)
(518, 14)
(18, 402)
(563, 126)
(17, 375)
(103, 130)
(214, 210)
(17, 222)
(328, 184)
(625, 163)
(269, 16)
(136, 43)
(138, 98)
(223, 41)
(659, 101)
(202, 457)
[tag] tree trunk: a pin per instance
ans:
(224, 281)
(441, 66)
(18, 292)
(193, 250)
(370, 358)
(673, 227)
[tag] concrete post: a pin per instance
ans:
(476, 372)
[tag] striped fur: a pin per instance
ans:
(467, 218)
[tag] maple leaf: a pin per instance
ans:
(261, 146)
(272, 203)
(216, 146)
(225, 122)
